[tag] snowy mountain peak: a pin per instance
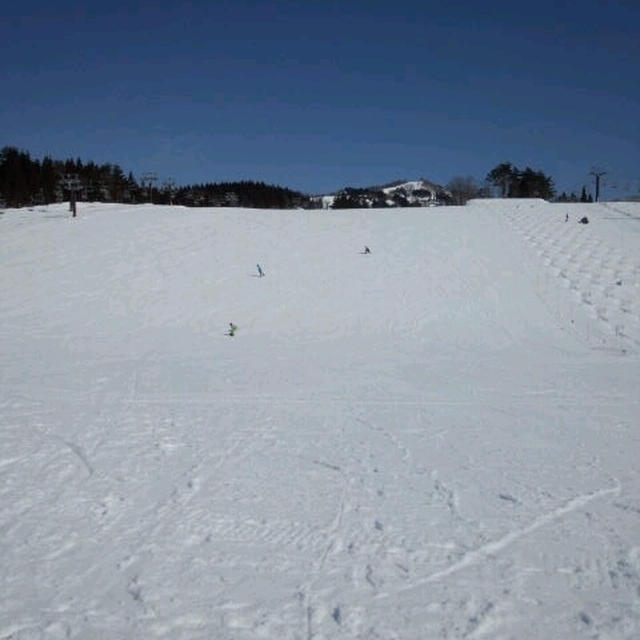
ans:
(400, 193)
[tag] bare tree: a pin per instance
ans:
(462, 189)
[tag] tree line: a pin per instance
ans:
(572, 197)
(25, 181)
(246, 193)
(515, 183)
(505, 181)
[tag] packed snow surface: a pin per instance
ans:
(439, 439)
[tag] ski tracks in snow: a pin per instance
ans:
(359, 493)
(489, 549)
(313, 611)
(595, 291)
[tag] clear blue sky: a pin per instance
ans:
(320, 94)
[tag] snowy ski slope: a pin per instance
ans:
(439, 439)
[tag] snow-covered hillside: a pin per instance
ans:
(438, 439)
(421, 192)
(402, 193)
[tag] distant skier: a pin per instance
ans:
(260, 271)
(232, 329)
(566, 217)
(366, 250)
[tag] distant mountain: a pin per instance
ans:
(401, 193)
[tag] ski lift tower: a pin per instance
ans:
(597, 174)
(72, 184)
(148, 180)
(169, 187)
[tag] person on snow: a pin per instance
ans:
(366, 249)
(260, 271)
(232, 329)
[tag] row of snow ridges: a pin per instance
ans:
(588, 284)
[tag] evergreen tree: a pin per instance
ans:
(16, 177)
(502, 177)
(514, 183)
(49, 180)
(534, 184)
